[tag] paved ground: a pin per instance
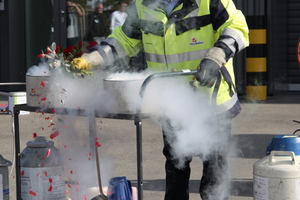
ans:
(252, 130)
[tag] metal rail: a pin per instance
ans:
(9, 94)
(13, 83)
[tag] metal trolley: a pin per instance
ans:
(137, 117)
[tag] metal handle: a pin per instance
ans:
(272, 159)
(184, 72)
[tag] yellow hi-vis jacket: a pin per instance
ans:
(181, 39)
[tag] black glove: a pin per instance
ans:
(208, 70)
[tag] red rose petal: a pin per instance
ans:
(54, 135)
(41, 55)
(50, 188)
(52, 124)
(97, 144)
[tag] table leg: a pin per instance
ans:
(17, 153)
(92, 134)
(139, 159)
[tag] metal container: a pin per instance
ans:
(4, 180)
(36, 90)
(42, 171)
(123, 95)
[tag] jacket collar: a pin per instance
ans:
(188, 5)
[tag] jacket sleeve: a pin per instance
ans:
(230, 25)
(126, 39)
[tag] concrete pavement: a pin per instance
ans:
(251, 132)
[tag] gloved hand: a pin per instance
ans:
(81, 63)
(88, 61)
(208, 70)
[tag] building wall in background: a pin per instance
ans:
(283, 19)
(293, 34)
(12, 45)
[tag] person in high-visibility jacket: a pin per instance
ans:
(185, 34)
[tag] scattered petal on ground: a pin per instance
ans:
(43, 84)
(54, 135)
(97, 144)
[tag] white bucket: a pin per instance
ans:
(16, 98)
(277, 177)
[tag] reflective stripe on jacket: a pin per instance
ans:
(181, 40)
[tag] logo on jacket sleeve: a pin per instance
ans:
(195, 42)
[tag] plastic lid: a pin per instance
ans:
(40, 141)
(284, 143)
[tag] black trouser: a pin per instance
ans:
(214, 170)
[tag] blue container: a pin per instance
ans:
(285, 143)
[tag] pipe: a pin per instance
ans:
(11, 94)
(13, 83)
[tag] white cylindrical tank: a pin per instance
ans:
(277, 177)
(42, 171)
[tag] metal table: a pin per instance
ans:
(137, 117)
